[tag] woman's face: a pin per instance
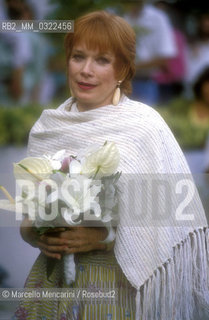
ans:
(91, 77)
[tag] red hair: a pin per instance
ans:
(107, 32)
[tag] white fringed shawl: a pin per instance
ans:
(165, 261)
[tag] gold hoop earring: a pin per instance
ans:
(116, 95)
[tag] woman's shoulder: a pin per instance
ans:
(146, 114)
(149, 124)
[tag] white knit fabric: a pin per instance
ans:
(167, 262)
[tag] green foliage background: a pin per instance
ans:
(16, 122)
(68, 9)
(177, 115)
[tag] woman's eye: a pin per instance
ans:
(103, 60)
(77, 57)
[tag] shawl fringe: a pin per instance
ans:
(179, 289)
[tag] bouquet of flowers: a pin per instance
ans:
(68, 190)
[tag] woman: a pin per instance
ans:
(150, 263)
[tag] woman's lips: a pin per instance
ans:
(86, 86)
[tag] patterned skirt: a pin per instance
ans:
(96, 272)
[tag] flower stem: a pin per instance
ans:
(98, 168)
(30, 172)
(7, 194)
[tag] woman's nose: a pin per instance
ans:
(87, 67)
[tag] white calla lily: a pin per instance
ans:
(82, 193)
(59, 155)
(7, 205)
(33, 169)
(56, 159)
(65, 189)
(102, 162)
(75, 167)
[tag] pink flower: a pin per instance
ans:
(65, 164)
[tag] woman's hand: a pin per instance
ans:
(59, 241)
(83, 239)
(51, 244)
